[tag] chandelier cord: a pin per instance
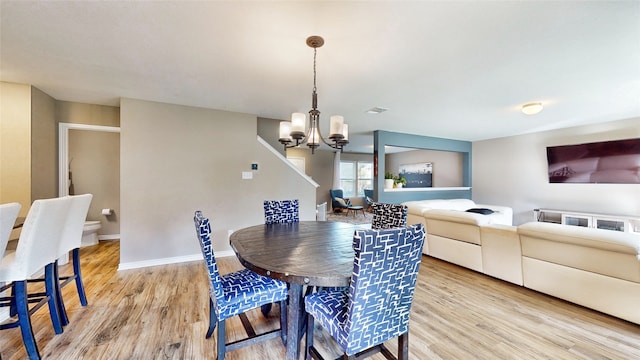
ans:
(315, 51)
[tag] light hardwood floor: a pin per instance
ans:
(161, 313)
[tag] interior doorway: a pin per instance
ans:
(89, 158)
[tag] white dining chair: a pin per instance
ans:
(37, 248)
(71, 240)
(8, 215)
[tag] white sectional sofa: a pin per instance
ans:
(502, 214)
(598, 269)
(454, 235)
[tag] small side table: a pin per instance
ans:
(354, 210)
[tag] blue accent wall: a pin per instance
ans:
(386, 138)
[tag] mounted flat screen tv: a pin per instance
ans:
(612, 162)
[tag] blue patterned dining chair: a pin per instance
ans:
(281, 211)
(376, 305)
(389, 216)
(236, 293)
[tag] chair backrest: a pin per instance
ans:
(73, 227)
(382, 286)
(336, 193)
(389, 216)
(40, 237)
(8, 215)
(281, 211)
(203, 230)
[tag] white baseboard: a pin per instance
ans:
(171, 260)
(109, 237)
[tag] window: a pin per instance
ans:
(355, 176)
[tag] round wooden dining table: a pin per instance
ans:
(312, 253)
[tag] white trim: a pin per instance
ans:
(171, 260)
(63, 150)
(109, 237)
(289, 163)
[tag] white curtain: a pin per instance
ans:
(336, 170)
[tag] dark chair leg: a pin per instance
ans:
(22, 309)
(403, 346)
(309, 338)
(61, 309)
(50, 286)
(283, 322)
(266, 308)
(213, 320)
(78, 275)
(221, 340)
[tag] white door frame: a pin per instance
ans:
(63, 150)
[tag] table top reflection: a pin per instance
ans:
(317, 253)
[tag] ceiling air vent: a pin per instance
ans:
(376, 110)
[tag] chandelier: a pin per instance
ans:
(295, 129)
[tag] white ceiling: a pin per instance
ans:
(452, 69)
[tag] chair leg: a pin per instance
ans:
(213, 320)
(58, 290)
(265, 309)
(221, 340)
(78, 275)
(309, 338)
(403, 346)
(283, 322)
(22, 309)
(50, 281)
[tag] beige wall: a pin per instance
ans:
(15, 144)
(319, 167)
(447, 165)
(89, 114)
(512, 171)
(95, 169)
(44, 146)
(28, 145)
(178, 159)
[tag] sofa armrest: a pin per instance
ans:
(608, 240)
(502, 214)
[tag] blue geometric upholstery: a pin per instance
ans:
(376, 306)
(389, 216)
(280, 212)
(235, 293)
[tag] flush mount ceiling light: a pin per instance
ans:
(295, 130)
(532, 108)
